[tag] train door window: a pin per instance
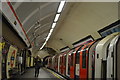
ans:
(65, 60)
(84, 54)
(69, 63)
(72, 55)
(60, 60)
(78, 55)
(84, 59)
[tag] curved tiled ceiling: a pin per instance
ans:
(36, 18)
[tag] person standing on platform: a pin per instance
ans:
(37, 66)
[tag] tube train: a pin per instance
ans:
(96, 59)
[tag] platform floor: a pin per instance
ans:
(44, 74)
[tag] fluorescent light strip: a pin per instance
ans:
(51, 31)
(43, 45)
(47, 38)
(53, 25)
(49, 34)
(55, 20)
(56, 17)
(61, 6)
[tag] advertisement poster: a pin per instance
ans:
(11, 59)
(1, 47)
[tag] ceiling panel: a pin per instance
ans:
(47, 20)
(31, 31)
(30, 13)
(25, 9)
(13, 3)
(49, 9)
(43, 36)
(43, 29)
(31, 21)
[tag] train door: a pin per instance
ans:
(61, 64)
(91, 61)
(83, 63)
(47, 65)
(72, 65)
(50, 62)
(58, 64)
(64, 63)
(111, 59)
(77, 63)
(101, 56)
(68, 63)
(53, 63)
(117, 53)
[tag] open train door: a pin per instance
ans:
(101, 56)
(111, 59)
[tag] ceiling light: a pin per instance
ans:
(51, 31)
(53, 25)
(48, 36)
(43, 45)
(61, 6)
(56, 17)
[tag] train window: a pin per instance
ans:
(84, 59)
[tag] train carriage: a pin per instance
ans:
(111, 58)
(73, 63)
(96, 59)
(101, 56)
(77, 62)
(84, 61)
(91, 62)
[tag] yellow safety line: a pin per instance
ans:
(54, 74)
